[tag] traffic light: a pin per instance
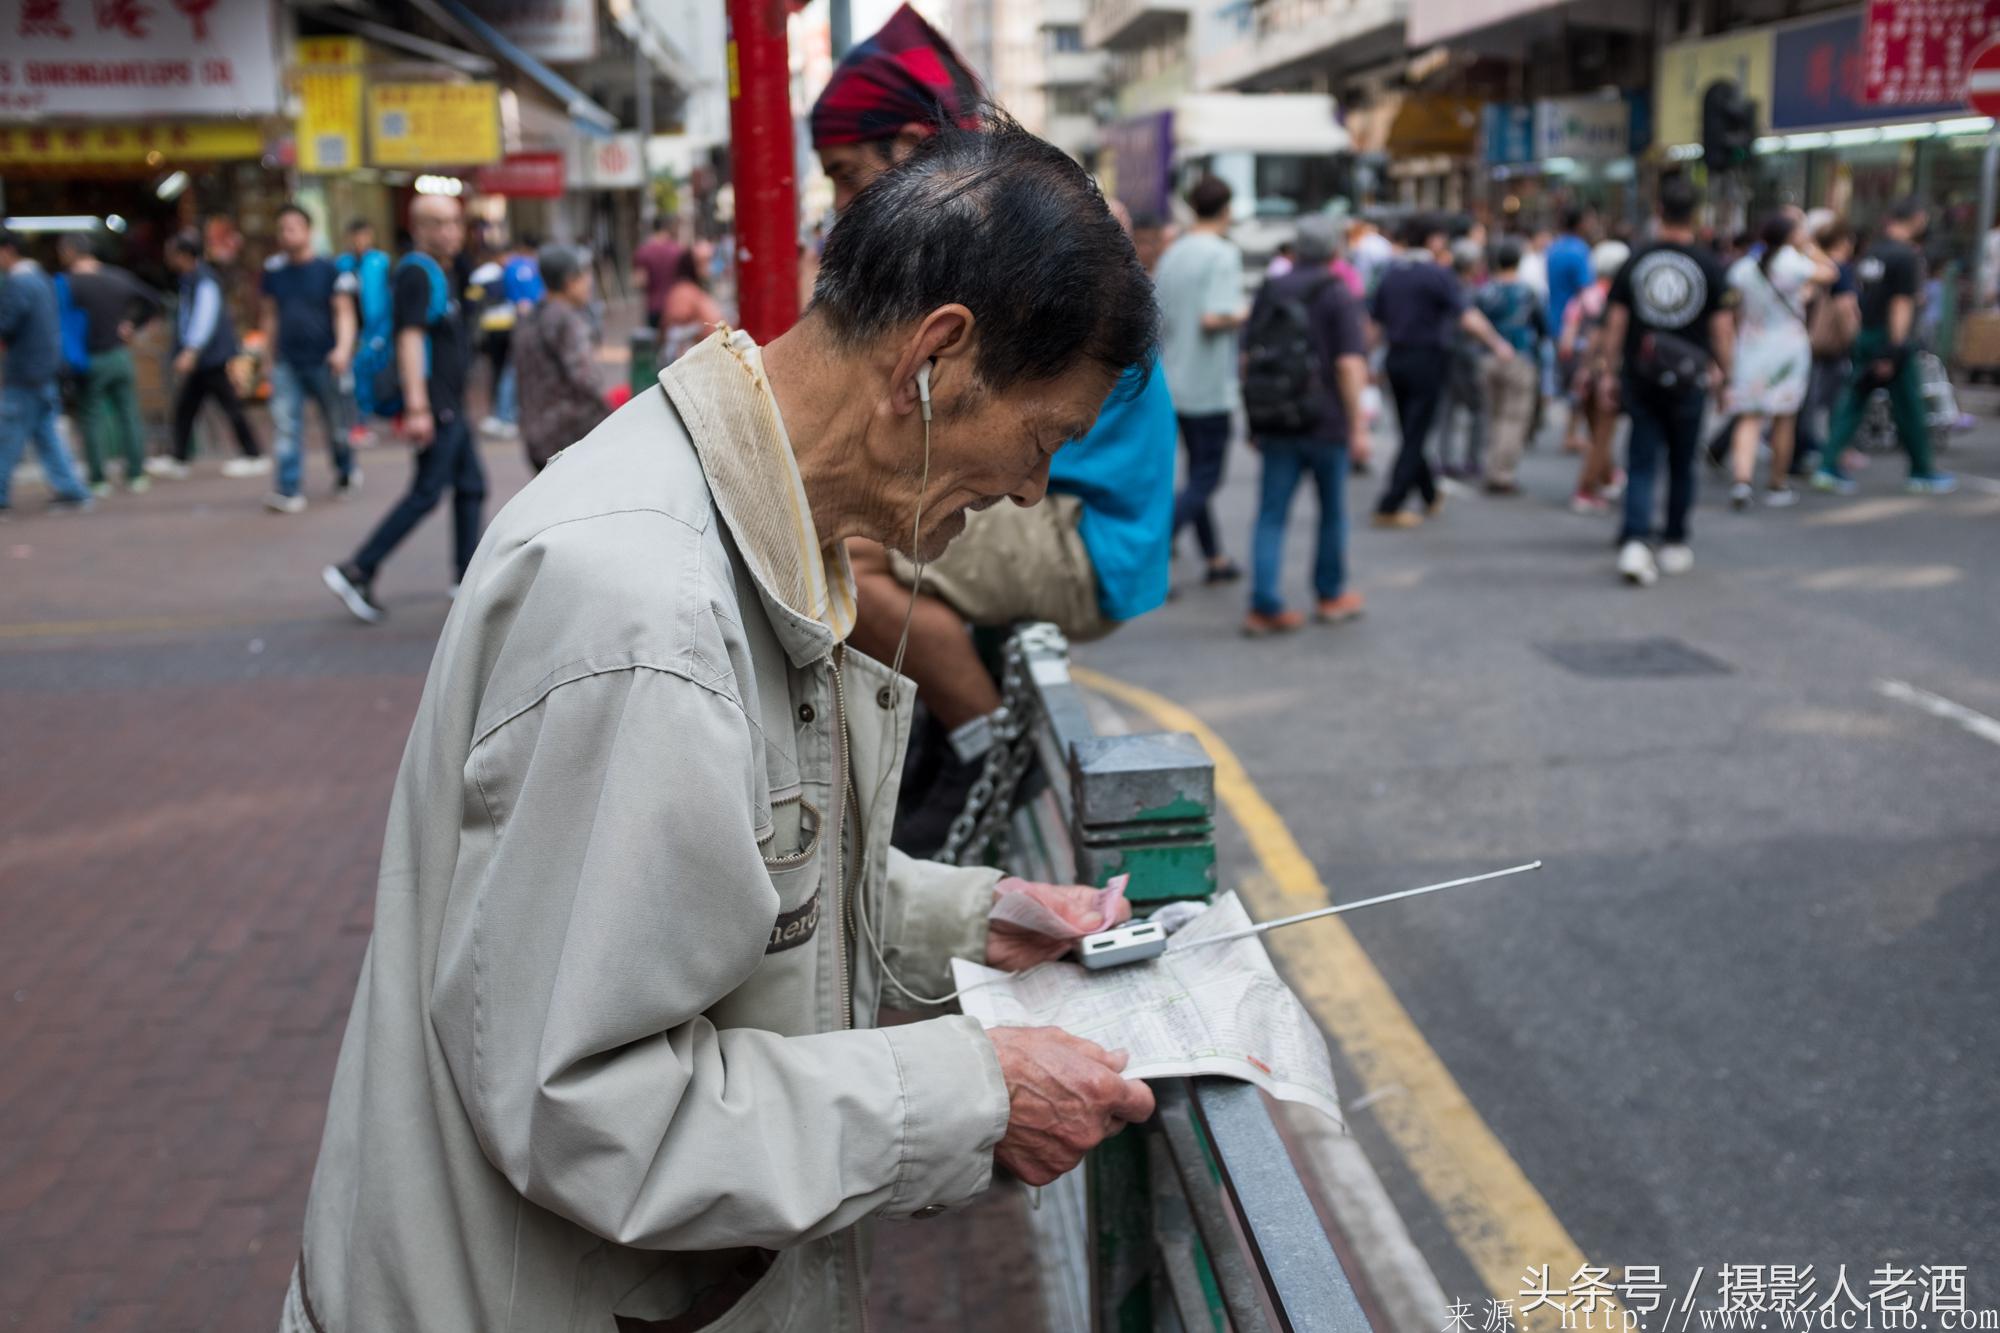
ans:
(1728, 125)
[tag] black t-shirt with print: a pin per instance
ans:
(1891, 268)
(1670, 288)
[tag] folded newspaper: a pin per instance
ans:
(1217, 1010)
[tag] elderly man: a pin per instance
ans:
(611, 1064)
(1093, 555)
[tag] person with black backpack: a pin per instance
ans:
(1667, 328)
(1305, 366)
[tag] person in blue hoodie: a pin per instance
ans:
(29, 400)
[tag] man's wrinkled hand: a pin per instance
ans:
(1065, 1096)
(1014, 949)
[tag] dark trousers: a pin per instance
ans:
(1417, 380)
(1663, 421)
(1206, 439)
(452, 459)
(1906, 404)
(204, 383)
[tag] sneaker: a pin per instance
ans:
(1937, 483)
(1256, 625)
(505, 430)
(1436, 505)
(359, 437)
(1676, 558)
(1226, 572)
(285, 504)
(247, 467)
(1615, 489)
(100, 489)
(172, 469)
(1588, 505)
(1823, 480)
(1780, 497)
(1402, 518)
(346, 583)
(348, 486)
(1740, 496)
(83, 504)
(139, 485)
(1334, 610)
(1636, 565)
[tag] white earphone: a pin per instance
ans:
(924, 389)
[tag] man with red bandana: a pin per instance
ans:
(1093, 554)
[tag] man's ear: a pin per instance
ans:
(942, 341)
(906, 140)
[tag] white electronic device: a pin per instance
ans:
(1137, 941)
(1133, 942)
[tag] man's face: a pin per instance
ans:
(361, 242)
(850, 166)
(437, 226)
(986, 449)
(294, 234)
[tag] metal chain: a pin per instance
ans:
(990, 802)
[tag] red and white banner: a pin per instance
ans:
(99, 59)
(1917, 52)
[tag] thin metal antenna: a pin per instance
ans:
(1349, 907)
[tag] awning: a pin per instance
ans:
(588, 115)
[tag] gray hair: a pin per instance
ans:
(1318, 240)
(560, 264)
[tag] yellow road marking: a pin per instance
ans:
(1497, 1217)
(44, 629)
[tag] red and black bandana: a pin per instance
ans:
(903, 74)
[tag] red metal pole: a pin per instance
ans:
(761, 162)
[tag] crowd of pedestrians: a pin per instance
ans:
(1475, 339)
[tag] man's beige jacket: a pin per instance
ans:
(611, 1063)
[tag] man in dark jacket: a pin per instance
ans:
(29, 402)
(114, 305)
(205, 339)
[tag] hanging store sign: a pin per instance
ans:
(1587, 129)
(155, 144)
(523, 176)
(433, 124)
(99, 59)
(614, 163)
(1915, 52)
(329, 84)
(555, 30)
(1819, 80)
(1507, 132)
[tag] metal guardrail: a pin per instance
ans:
(1197, 1220)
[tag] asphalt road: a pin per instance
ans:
(1746, 1015)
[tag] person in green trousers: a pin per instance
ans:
(114, 305)
(1891, 275)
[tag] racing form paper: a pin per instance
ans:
(1219, 1010)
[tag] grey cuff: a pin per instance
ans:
(955, 1109)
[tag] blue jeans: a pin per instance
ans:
(290, 387)
(1666, 421)
(28, 416)
(507, 395)
(1287, 458)
(452, 459)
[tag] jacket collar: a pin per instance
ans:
(726, 403)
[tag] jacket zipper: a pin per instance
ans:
(841, 773)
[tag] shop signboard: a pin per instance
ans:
(523, 176)
(109, 59)
(1142, 156)
(1915, 52)
(1507, 132)
(155, 143)
(1687, 68)
(329, 83)
(553, 30)
(1584, 129)
(616, 162)
(1819, 80)
(433, 124)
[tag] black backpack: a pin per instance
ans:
(1281, 372)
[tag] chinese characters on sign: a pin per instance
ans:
(130, 144)
(101, 58)
(433, 124)
(329, 82)
(1916, 51)
(1737, 1296)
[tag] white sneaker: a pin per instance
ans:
(505, 430)
(285, 504)
(247, 467)
(170, 468)
(1740, 495)
(1676, 558)
(1635, 564)
(1784, 497)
